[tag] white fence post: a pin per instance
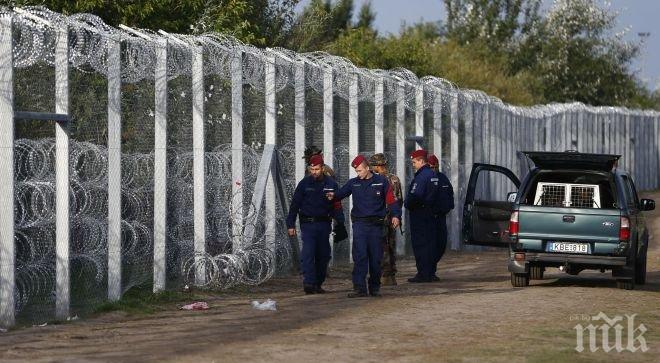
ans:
(62, 229)
(549, 117)
(401, 159)
(493, 155)
(328, 138)
(199, 184)
(328, 118)
(454, 218)
(486, 133)
(300, 119)
(627, 150)
(437, 128)
(160, 166)
(468, 113)
(236, 69)
(271, 138)
(353, 142)
(379, 114)
(419, 114)
(7, 251)
(114, 170)
(656, 149)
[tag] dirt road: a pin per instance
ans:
(473, 314)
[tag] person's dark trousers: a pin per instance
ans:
(367, 255)
(441, 244)
(424, 243)
(315, 253)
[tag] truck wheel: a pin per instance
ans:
(625, 284)
(519, 280)
(640, 269)
(536, 272)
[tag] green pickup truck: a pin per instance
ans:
(573, 211)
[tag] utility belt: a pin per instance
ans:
(369, 219)
(308, 219)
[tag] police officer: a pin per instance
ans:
(315, 150)
(446, 204)
(339, 229)
(372, 195)
(315, 212)
(378, 164)
(424, 203)
(434, 163)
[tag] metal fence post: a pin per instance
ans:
(419, 114)
(300, 119)
(656, 150)
(469, 137)
(328, 118)
(401, 157)
(114, 170)
(271, 138)
(437, 127)
(353, 142)
(62, 229)
(160, 165)
(454, 218)
(379, 135)
(236, 69)
(199, 184)
(7, 250)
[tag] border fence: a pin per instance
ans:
(138, 158)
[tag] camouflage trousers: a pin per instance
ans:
(388, 263)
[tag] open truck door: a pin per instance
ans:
(488, 205)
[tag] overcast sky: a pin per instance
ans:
(640, 16)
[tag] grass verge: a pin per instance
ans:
(142, 301)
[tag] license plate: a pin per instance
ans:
(568, 247)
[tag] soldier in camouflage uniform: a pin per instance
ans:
(378, 163)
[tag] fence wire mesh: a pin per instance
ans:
(472, 127)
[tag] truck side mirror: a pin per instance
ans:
(511, 197)
(647, 204)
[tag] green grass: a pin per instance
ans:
(142, 301)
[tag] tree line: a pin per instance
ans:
(511, 49)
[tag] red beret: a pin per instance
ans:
(421, 153)
(358, 160)
(433, 160)
(316, 160)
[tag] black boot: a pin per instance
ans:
(320, 290)
(358, 293)
(375, 293)
(309, 289)
(418, 279)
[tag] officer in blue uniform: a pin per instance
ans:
(426, 200)
(446, 204)
(315, 211)
(372, 195)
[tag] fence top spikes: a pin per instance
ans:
(135, 32)
(174, 38)
(31, 16)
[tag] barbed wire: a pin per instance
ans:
(36, 32)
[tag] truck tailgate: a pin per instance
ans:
(569, 224)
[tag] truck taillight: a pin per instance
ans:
(624, 230)
(514, 226)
